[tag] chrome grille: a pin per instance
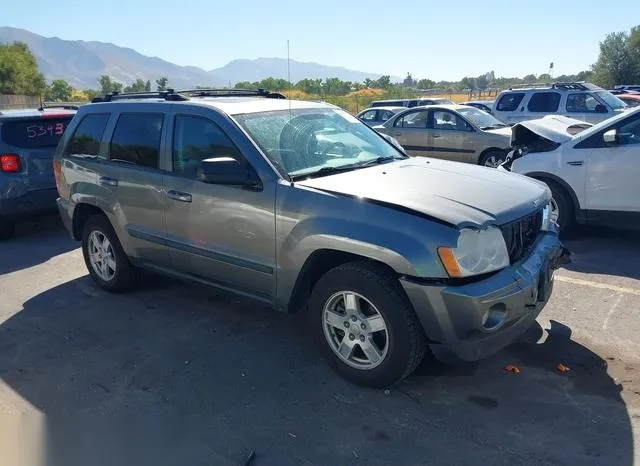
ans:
(520, 235)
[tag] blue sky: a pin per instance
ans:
(434, 39)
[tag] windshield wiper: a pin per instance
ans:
(344, 168)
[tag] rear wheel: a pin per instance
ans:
(104, 257)
(492, 158)
(7, 228)
(368, 327)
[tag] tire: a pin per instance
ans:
(564, 206)
(492, 158)
(400, 345)
(121, 275)
(7, 228)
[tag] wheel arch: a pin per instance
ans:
(81, 213)
(487, 150)
(542, 176)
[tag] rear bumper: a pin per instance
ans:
(31, 202)
(473, 321)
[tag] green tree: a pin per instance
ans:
(138, 86)
(409, 81)
(383, 82)
(619, 59)
(425, 83)
(107, 85)
(58, 91)
(161, 83)
(92, 93)
(245, 85)
(19, 70)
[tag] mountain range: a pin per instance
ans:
(80, 63)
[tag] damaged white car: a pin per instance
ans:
(593, 171)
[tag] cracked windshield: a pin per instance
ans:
(247, 234)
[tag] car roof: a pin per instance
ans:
(231, 105)
(629, 96)
(443, 106)
(36, 112)
(386, 107)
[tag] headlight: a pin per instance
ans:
(477, 252)
(548, 223)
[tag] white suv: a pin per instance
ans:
(582, 101)
(593, 171)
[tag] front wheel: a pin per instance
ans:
(368, 327)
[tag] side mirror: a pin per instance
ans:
(610, 137)
(600, 108)
(227, 171)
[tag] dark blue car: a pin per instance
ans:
(28, 139)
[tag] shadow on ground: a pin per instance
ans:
(604, 251)
(176, 374)
(35, 242)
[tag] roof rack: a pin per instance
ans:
(169, 94)
(62, 106)
(232, 93)
(569, 86)
(172, 95)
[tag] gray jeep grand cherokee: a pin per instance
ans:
(302, 206)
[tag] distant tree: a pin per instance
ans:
(409, 81)
(19, 70)
(92, 94)
(58, 91)
(107, 85)
(138, 86)
(467, 83)
(619, 59)
(383, 82)
(161, 84)
(545, 78)
(245, 85)
(482, 82)
(147, 86)
(530, 78)
(426, 84)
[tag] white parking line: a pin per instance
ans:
(602, 286)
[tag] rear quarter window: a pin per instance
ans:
(34, 133)
(509, 101)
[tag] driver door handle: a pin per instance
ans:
(576, 163)
(179, 196)
(435, 136)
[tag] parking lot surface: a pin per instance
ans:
(180, 374)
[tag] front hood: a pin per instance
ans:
(554, 128)
(504, 132)
(456, 193)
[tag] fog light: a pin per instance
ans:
(495, 317)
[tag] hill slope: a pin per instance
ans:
(81, 63)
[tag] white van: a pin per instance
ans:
(581, 101)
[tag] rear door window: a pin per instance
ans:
(136, 139)
(87, 137)
(509, 102)
(546, 102)
(34, 133)
(417, 119)
(369, 116)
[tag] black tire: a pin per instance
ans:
(566, 210)
(498, 155)
(7, 228)
(406, 341)
(126, 275)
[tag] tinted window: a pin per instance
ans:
(413, 120)
(33, 133)
(86, 139)
(629, 132)
(509, 102)
(136, 139)
(581, 103)
(444, 120)
(544, 102)
(369, 116)
(386, 114)
(196, 139)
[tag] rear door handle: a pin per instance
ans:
(179, 196)
(436, 136)
(576, 163)
(107, 181)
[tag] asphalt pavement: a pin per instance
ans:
(179, 374)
